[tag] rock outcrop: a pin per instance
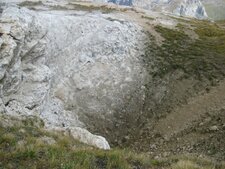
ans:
(189, 8)
(215, 9)
(67, 67)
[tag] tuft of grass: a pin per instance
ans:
(90, 8)
(71, 6)
(30, 3)
(147, 17)
(112, 19)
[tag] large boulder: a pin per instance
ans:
(69, 67)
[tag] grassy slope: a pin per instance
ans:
(201, 58)
(201, 61)
(21, 147)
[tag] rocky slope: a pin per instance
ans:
(215, 9)
(119, 72)
(190, 8)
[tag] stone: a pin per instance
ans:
(46, 140)
(86, 137)
(21, 143)
(127, 138)
(22, 131)
(166, 154)
(224, 126)
(201, 124)
(153, 146)
(213, 128)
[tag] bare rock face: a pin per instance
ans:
(191, 8)
(215, 9)
(188, 8)
(68, 67)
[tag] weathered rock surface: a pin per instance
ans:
(189, 8)
(215, 9)
(68, 67)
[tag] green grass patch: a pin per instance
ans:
(71, 6)
(147, 17)
(90, 8)
(30, 3)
